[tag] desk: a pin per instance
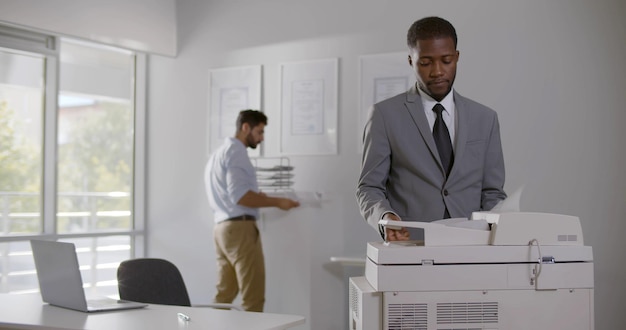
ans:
(29, 312)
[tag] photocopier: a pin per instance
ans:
(505, 271)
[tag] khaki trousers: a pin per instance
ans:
(240, 264)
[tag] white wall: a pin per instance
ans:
(552, 70)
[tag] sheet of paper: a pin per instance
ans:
(511, 203)
(465, 223)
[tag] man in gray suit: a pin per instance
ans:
(430, 153)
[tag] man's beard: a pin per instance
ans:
(250, 142)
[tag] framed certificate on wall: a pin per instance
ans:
(381, 77)
(309, 107)
(230, 91)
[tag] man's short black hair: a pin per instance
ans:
(252, 117)
(430, 28)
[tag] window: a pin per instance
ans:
(95, 139)
(71, 155)
(21, 136)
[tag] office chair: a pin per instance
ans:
(156, 281)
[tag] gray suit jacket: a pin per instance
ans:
(401, 171)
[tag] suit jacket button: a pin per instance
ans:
(445, 192)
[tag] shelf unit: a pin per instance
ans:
(273, 173)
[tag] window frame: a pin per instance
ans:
(45, 45)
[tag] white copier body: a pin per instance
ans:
(536, 275)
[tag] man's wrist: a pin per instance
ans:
(390, 216)
(381, 228)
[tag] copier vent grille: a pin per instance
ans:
(467, 313)
(407, 316)
(354, 299)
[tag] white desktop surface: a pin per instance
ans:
(29, 312)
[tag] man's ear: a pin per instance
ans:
(410, 60)
(245, 127)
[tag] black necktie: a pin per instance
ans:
(442, 139)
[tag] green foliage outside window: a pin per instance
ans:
(94, 160)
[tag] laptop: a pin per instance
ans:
(60, 281)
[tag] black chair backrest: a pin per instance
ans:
(153, 281)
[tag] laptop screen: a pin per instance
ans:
(58, 273)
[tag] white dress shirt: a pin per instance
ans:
(228, 176)
(449, 115)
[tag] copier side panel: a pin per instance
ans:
(398, 254)
(365, 312)
(436, 277)
(551, 276)
(479, 276)
(371, 273)
(490, 309)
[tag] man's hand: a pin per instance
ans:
(395, 234)
(286, 203)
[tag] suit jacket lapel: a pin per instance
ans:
(461, 130)
(416, 110)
